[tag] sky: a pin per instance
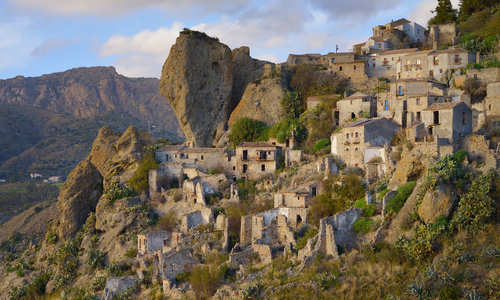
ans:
(46, 36)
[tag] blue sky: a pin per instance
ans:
(46, 36)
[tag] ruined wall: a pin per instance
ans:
(358, 107)
(486, 76)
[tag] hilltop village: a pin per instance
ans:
(419, 98)
(381, 172)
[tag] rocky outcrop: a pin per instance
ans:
(261, 101)
(78, 198)
(245, 70)
(208, 85)
(197, 81)
(436, 203)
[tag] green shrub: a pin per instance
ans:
(368, 209)
(139, 181)
(449, 292)
(403, 192)
(476, 206)
(382, 194)
(204, 281)
(248, 130)
(461, 155)
(321, 144)
(363, 225)
(303, 237)
(96, 258)
(117, 191)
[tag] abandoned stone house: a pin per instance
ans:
(149, 243)
(406, 98)
(434, 64)
(356, 106)
(299, 197)
(203, 158)
(444, 34)
(354, 70)
(254, 160)
(403, 29)
(352, 142)
(448, 122)
(334, 232)
(384, 64)
(492, 100)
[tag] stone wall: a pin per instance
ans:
(443, 34)
(486, 76)
(480, 148)
(151, 242)
(199, 217)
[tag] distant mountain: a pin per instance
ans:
(48, 123)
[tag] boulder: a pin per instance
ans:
(436, 203)
(78, 198)
(197, 81)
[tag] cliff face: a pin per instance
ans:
(89, 92)
(48, 123)
(204, 82)
(197, 81)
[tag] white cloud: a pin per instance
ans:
(116, 7)
(142, 54)
(16, 43)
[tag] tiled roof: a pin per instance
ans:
(203, 150)
(257, 144)
(399, 51)
(356, 95)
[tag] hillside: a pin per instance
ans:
(48, 123)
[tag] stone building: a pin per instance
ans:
(492, 100)
(298, 197)
(152, 242)
(444, 34)
(254, 160)
(352, 142)
(334, 232)
(448, 122)
(203, 158)
(356, 106)
(353, 70)
(434, 64)
(384, 64)
(406, 98)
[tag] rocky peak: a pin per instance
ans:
(197, 81)
(204, 81)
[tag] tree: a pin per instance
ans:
(293, 105)
(468, 7)
(444, 13)
(247, 130)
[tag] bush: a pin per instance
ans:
(368, 209)
(461, 155)
(363, 225)
(403, 192)
(248, 130)
(321, 144)
(476, 206)
(51, 237)
(139, 181)
(37, 285)
(205, 280)
(117, 191)
(303, 237)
